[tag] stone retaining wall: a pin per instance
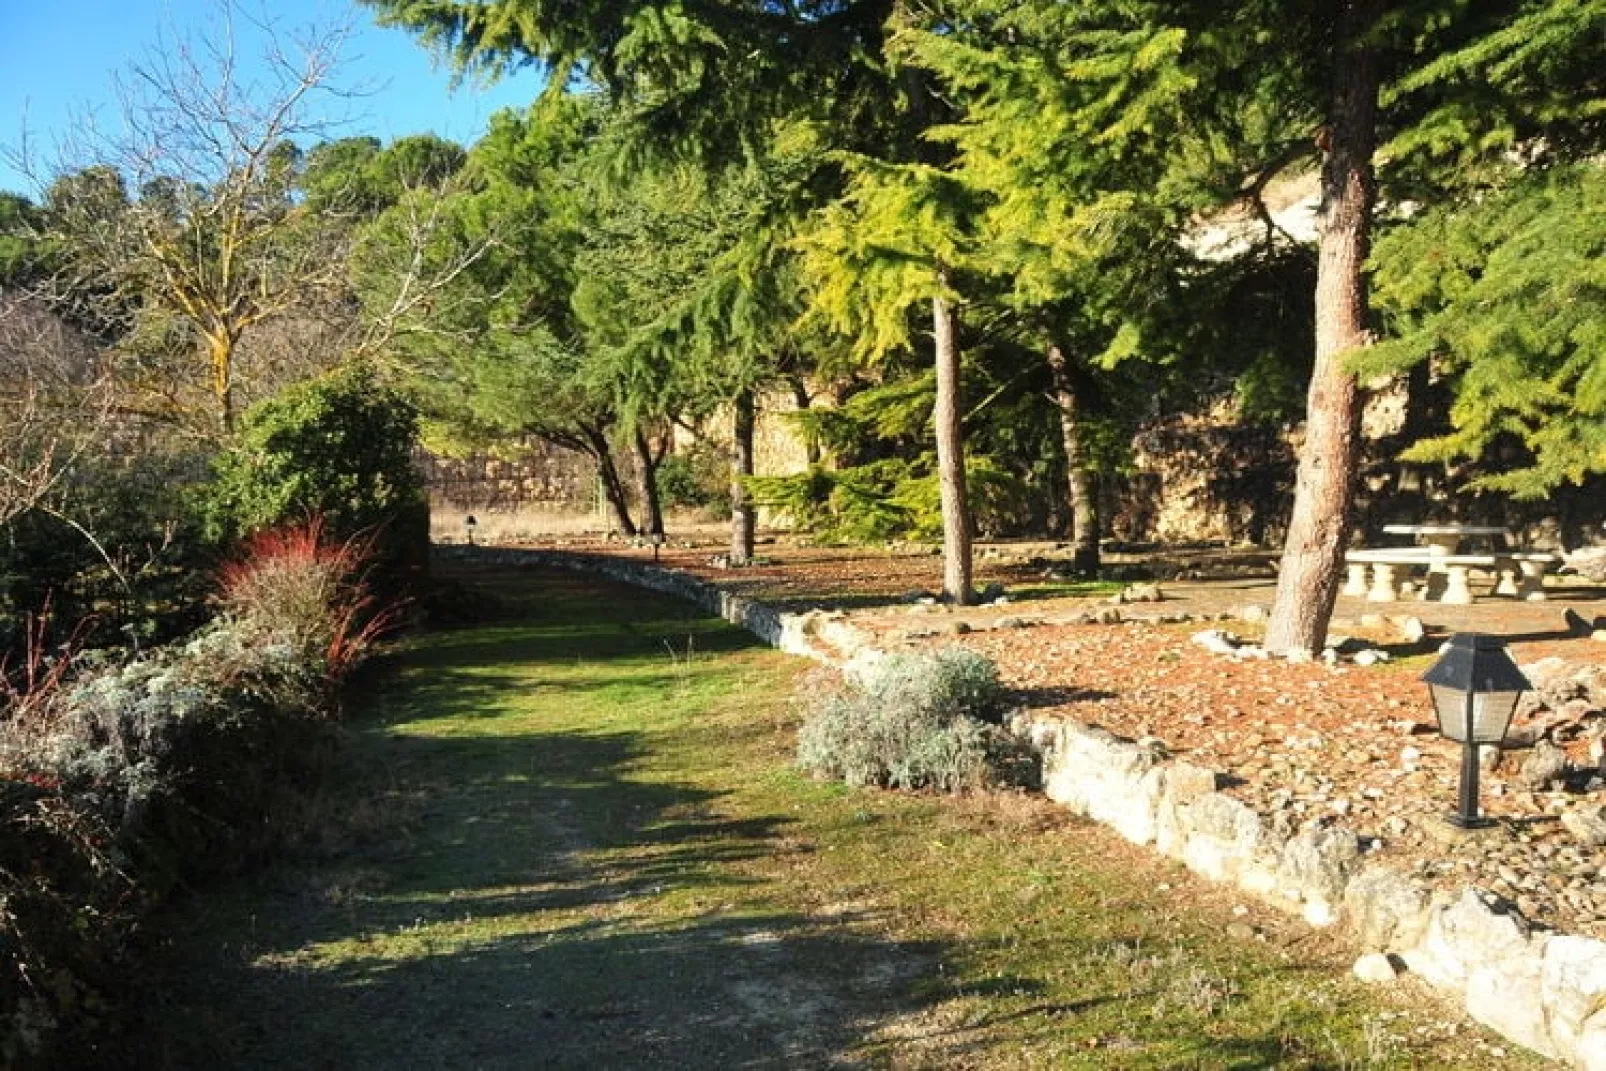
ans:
(1546, 991)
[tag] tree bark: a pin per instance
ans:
(744, 518)
(652, 512)
(613, 488)
(1324, 488)
(1078, 477)
(800, 398)
(220, 354)
(947, 415)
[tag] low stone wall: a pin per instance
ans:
(1546, 991)
(1543, 990)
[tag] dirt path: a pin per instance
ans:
(573, 839)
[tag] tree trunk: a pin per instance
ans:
(1313, 555)
(220, 354)
(800, 398)
(1084, 506)
(652, 513)
(744, 518)
(613, 488)
(946, 415)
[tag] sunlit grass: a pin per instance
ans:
(578, 840)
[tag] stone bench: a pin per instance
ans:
(1520, 574)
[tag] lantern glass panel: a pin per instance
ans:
(1450, 706)
(1491, 714)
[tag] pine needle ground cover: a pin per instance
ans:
(574, 837)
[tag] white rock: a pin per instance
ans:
(1375, 967)
(1371, 657)
(1214, 640)
(1572, 986)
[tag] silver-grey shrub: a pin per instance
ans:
(918, 720)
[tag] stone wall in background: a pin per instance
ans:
(1202, 476)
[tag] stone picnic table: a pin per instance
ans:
(1440, 553)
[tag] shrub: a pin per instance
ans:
(339, 447)
(697, 477)
(119, 779)
(916, 721)
(309, 591)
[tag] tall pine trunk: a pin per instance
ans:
(744, 518)
(652, 512)
(1078, 477)
(1324, 488)
(613, 488)
(946, 415)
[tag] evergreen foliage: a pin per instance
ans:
(338, 448)
(1507, 296)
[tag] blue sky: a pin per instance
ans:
(57, 59)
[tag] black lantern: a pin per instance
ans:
(468, 526)
(1475, 687)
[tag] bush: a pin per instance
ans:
(310, 591)
(696, 478)
(141, 579)
(120, 779)
(916, 721)
(340, 448)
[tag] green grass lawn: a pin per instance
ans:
(573, 838)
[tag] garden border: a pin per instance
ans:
(1543, 990)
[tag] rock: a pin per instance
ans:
(1544, 764)
(1143, 593)
(1298, 655)
(1010, 621)
(1215, 641)
(1371, 657)
(1587, 825)
(1599, 635)
(1251, 652)
(1475, 933)
(1253, 613)
(1385, 909)
(1572, 985)
(992, 591)
(1411, 629)
(1313, 869)
(959, 628)
(1589, 562)
(1375, 967)
(1111, 616)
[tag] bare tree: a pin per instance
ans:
(180, 223)
(55, 405)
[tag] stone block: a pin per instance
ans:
(1573, 989)
(1471, 933)
(1505, 994)
(1314, 867)
(1223, 838)
(1385, 909)
(1098, 774)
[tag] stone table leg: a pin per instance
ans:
(1356, 586)
(1509, 584)
(1532, 587)
(1456, 588)
(1383, 589)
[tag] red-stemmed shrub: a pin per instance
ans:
(297, 584)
